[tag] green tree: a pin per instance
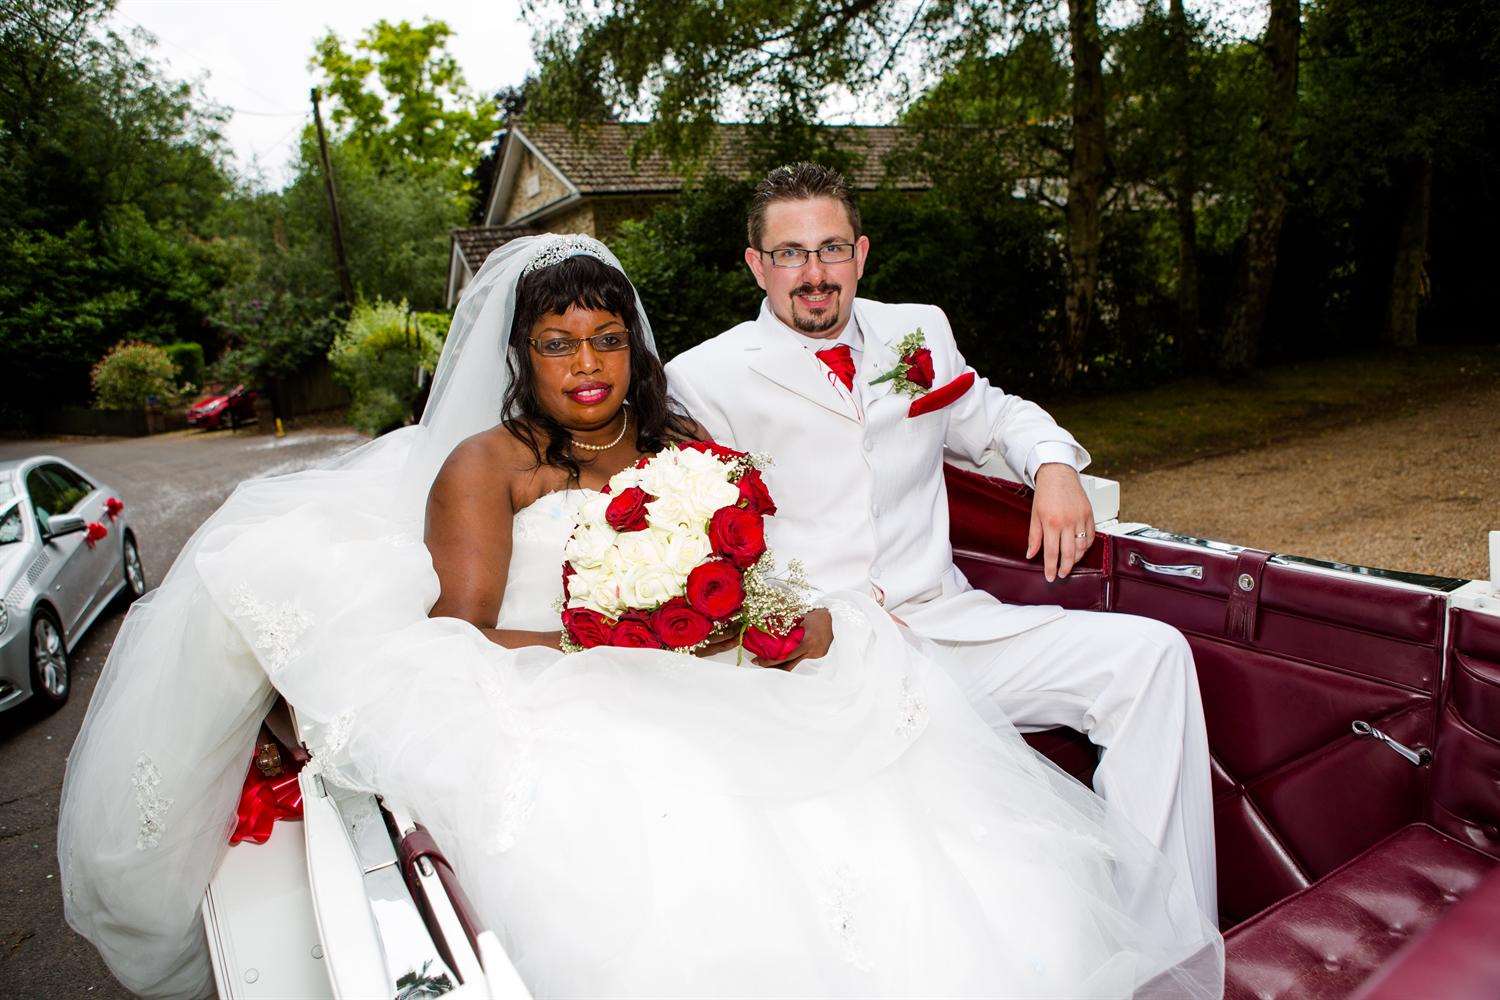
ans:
(399, 96)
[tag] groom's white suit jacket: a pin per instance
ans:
(858, 483)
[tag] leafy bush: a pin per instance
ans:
(131, 372)
(188, 357)
(377, 356)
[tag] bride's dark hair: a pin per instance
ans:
(584, 281)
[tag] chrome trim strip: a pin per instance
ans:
(1442, 584)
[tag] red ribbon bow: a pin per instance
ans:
(95, 532)
(113, 506)
(840, 361)
(262, 802)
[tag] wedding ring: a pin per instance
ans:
(1081, 534)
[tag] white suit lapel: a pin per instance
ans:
(776, 355)
(879, 355)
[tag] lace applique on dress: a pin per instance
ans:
(277, 626)
(843, 611)
(911, 713)
(332, 739)
(153, 806)
(841, 892)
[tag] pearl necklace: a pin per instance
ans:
(605, 447)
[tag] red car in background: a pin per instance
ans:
(217, 408)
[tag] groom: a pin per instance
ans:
(858, 481)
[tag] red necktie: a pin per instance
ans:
(840, 361)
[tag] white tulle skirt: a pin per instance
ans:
(636, 822)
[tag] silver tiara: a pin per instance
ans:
(556, 249)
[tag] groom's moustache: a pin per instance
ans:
(821, 287)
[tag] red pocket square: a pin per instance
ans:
(941, 397)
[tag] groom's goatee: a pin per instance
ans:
(811, 324)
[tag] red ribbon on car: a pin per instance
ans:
(95, 532)
(262, 802)
(113, 506)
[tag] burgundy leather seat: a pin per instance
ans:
(1328, 939)
(1456, 959)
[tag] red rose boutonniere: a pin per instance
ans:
(913, 374)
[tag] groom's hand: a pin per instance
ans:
(816, 638)
(1062, 520)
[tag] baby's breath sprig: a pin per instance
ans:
(775, 603)
(567, 645)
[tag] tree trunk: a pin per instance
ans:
(1184, 189)
(1247, 317)
(1085, 183)
(1409, 278)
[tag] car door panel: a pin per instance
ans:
(1297, 794)
(1466, 761)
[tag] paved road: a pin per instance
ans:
(172, 483)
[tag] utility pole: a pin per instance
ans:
(340, 260)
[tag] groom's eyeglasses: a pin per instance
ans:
(561, 347)
(831, 253)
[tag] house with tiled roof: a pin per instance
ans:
(551, 179)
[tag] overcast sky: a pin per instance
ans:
(252, 55)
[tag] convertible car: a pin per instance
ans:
(1353, 720)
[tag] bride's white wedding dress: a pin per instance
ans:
(629, 821)
(644, 822)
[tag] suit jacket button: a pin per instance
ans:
(869, 445)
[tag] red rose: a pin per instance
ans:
(95, 532)
(754, 495)
(737, 534)
(113, 506)
(627, 511)
(715, 589)
(633, 632)
(678, 625)
(588, 628)
(717, 450)
(769, 646)
(920, 371)
(568, 571)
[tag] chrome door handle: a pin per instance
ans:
(1417, 758)
(1191, 570)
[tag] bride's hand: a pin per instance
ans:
(816, 639)
(719, 642)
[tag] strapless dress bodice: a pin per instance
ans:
(533, 584)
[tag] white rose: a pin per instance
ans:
(665, 476)
(592, 510)
(590, 545)
(596, 590)
(650, 585)
(685, 549)
(709, 492)
(622, 481)
(701, 463)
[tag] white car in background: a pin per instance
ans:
(66, 552)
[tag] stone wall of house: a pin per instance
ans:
(610, 212)
(536, 185)
(579, 219)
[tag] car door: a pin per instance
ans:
(54, 490)
(106, 560)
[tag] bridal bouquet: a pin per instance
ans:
(674, 551)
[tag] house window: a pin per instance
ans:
(533, 185)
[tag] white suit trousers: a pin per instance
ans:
(1130, 684)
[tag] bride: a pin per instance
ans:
(628, 821)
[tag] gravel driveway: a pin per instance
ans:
(172, 483)
(1417, 491)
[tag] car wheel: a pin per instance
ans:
(51, 679)
(135, 573)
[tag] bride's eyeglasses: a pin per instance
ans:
(829, 253)
(562, 347)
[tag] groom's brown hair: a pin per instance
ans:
(798, 182)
